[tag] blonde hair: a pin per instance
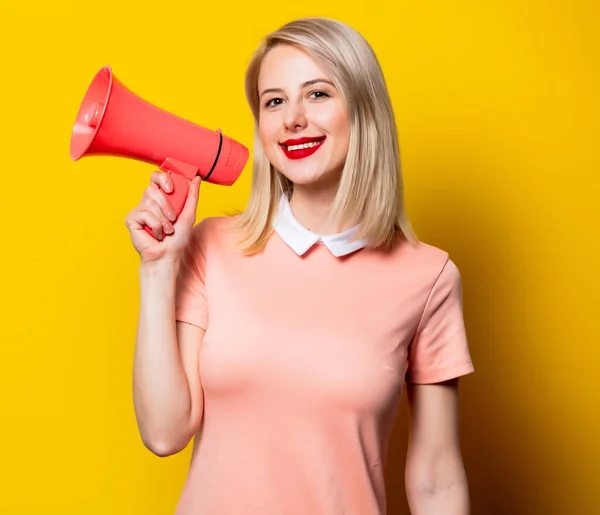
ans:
(370, 192)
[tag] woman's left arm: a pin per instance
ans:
(436, 482)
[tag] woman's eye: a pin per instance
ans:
(319, 94)
(273, 102)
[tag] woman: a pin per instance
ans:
(282, 338)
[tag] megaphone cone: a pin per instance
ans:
(114, 121)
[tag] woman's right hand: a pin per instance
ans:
(155, 211)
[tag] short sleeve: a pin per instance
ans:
(190, 296)
(439, 350)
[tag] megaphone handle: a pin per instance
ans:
(181, 175)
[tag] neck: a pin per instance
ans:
(311, 207)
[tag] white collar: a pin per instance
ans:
(300, 239)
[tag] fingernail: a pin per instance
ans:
(168, 187)
(168, 228)
(171, 216)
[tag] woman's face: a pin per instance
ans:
(303, 122)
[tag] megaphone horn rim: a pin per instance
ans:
(77, 150)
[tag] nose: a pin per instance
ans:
(295, 117)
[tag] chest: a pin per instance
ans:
(326, 336)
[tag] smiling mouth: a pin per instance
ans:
(303, 146)
(302, 149)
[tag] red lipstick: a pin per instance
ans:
(301, 153)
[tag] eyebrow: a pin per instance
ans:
(302, 86)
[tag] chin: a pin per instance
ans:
(310, 178)
(307, 172)
(303, 180)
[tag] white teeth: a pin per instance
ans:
(305, 145)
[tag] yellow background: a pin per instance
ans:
(498, 119)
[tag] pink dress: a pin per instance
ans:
(303, 365)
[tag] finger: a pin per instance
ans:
(154, 193)
(137, 220)
(162, 179)
(156, 210)
(191, 202)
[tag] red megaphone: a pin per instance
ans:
(113, 121)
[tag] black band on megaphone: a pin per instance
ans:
(217, 158)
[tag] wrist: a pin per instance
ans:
(165, 266)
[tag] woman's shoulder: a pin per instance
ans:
(426, 257)
(429, 251)
(216, 223)
(424, 265)
(213, 229)
(419, 250)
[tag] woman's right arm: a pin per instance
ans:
(167, 394)
(166, 383)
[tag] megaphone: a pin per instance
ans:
(114, 121)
